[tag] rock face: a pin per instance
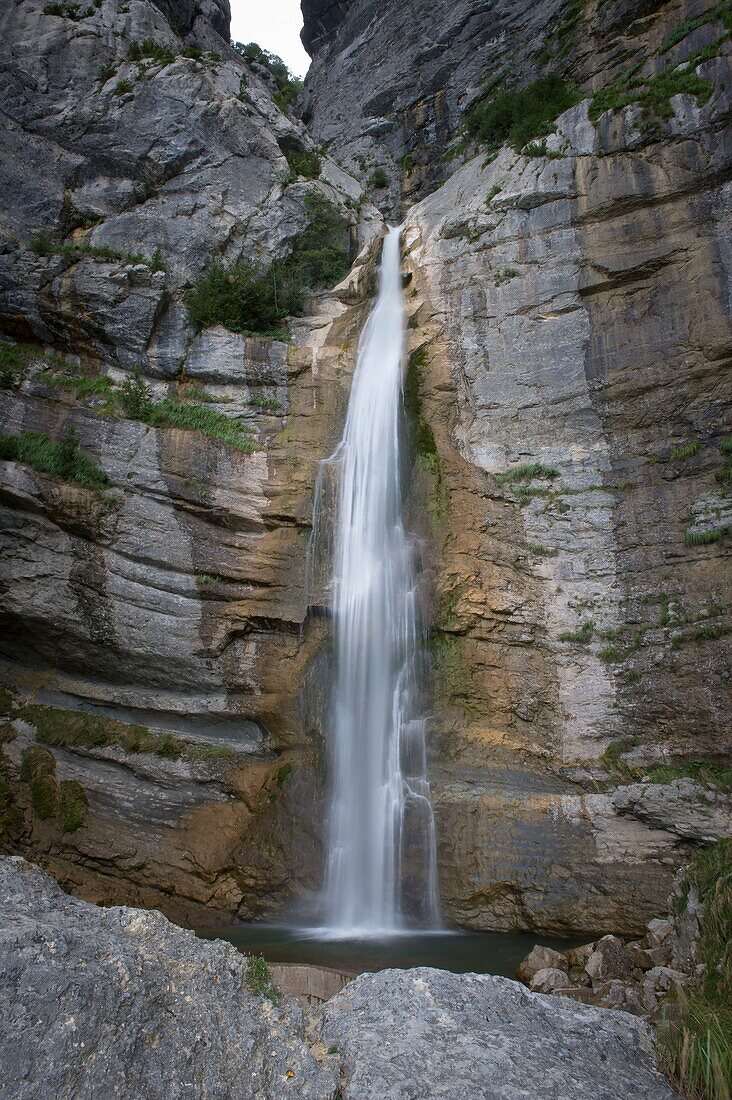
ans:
(581, 629)
(121, 1003)
(425, 1032)
(174, 601)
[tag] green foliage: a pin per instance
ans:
(695, 1039)
(721, 11)
(686, 450)
(719, 778)
(38, 769)
(154, 51)
(583, 636)
(255, 301)
(199, 418)
(282, 774)
(14, 358)
(11, 817)
(726, 445)
(288, 85)
(378, 179)
(652, 93)
(66, 11)
(46, 244)
(504, 275)
(705, 538)
(527, 472)
(63, 459)
(610, 653)
(303, 165)
(424, 439)
(76, 728)
(267, 404)
(259, 979)
(123, 87)
(36, 761)
(519, 115)
(543, 551)
(73, 805)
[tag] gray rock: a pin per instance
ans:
(120, 1003)
(684, 807)
(409, 1035)
(539, 958)
(609, 960)
(547, 980)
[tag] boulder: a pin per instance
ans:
(120, 1003)
(578, 956)
(413, 1034)
(610, 960)
(547, 980)
(540, 958)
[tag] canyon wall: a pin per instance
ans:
(570, 335)
(568, 386)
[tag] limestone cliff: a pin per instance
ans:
(570, 332)
(135, 151)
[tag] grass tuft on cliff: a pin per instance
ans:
(695, 1039)
(137, 402)
(259, 979)
(518, 116)
(62, 459)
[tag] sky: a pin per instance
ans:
(273, 24)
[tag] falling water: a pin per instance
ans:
(380, 859)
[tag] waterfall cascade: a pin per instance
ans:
(380, 859)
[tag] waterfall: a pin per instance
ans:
(380, 871)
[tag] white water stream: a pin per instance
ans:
(380, 856)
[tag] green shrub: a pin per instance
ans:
(154, 51)
(705, 538)
(520, 115)
(259, 979)
(252, 300)
(686, 450)
(721, 11)
(583, 636)
(73, 805)
(527, 472)
(268, 404)
(63, 459)
(11, 817)
(199, 418)
(14, 358)
(288, 85)
(135, 396)
(652, 93)
(303, 165)
(123, 87)
(695, 1038)
(378, 179)
(36, 761)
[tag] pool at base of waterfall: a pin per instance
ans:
(460, 952)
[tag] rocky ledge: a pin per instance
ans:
(86, 994)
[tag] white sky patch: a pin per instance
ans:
(274, 25)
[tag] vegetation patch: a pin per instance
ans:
(378, 179)
(73, 805)
(303, 165)
(583, 636)
(61, 459)
(721, 12)
(259, 979)
(138, 404)
(653, 93)
(255, 300)
(527, 472)
(78, 729)
(46, 244)
(692, 537)
(686, 450)
(11, 817)
(695, 1040)
(518, 116)
(288, 85)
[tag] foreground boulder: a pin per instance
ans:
(120, 1003)
(428, 1033)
